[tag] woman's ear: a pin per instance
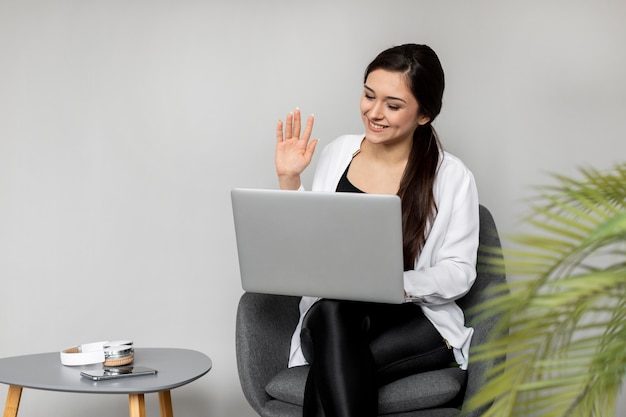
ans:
(422, 120)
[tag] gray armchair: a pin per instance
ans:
(265, 324)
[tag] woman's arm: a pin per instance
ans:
(446, 268)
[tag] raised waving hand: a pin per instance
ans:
(293, 152)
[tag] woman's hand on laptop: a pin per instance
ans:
(293, 152)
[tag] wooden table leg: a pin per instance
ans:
(165, 401)
(137, 405)
(13, 401)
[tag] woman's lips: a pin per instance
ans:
(375, 126)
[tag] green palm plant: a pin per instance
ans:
(566, 309)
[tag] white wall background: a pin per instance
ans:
(124, 124)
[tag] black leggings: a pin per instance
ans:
(356, 347)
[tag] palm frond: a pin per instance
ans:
(566, 311)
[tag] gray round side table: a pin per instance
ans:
(176, 367)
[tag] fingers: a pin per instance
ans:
(308, 129)
(310, 149)
(297, 123)
(293, 126)
(289, 126)
(279, 131)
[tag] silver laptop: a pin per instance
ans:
(344, 246)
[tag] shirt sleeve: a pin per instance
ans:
(446, 267)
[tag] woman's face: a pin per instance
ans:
(389, 110)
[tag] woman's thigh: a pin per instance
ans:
(403, 342)
(401, 339)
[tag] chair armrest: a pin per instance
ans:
(263, 330)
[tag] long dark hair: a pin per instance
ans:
(425, 79)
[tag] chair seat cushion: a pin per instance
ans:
(414, 392)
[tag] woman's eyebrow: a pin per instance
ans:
(388, 97)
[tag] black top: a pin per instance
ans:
(344, 185)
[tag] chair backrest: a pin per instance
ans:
(488, 249)
(487, 277)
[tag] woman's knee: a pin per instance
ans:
(330, 323)
(333, 312)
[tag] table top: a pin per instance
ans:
(175, 367)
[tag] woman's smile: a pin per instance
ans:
(375, 126)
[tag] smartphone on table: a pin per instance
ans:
(117, 372)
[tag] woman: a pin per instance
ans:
(353, 347)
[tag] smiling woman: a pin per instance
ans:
(398, 154)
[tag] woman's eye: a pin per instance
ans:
(393, 107)
(369, 96)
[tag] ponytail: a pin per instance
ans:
(416, 192)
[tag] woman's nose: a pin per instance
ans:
(375, 112)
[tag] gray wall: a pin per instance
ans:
(124, 124)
